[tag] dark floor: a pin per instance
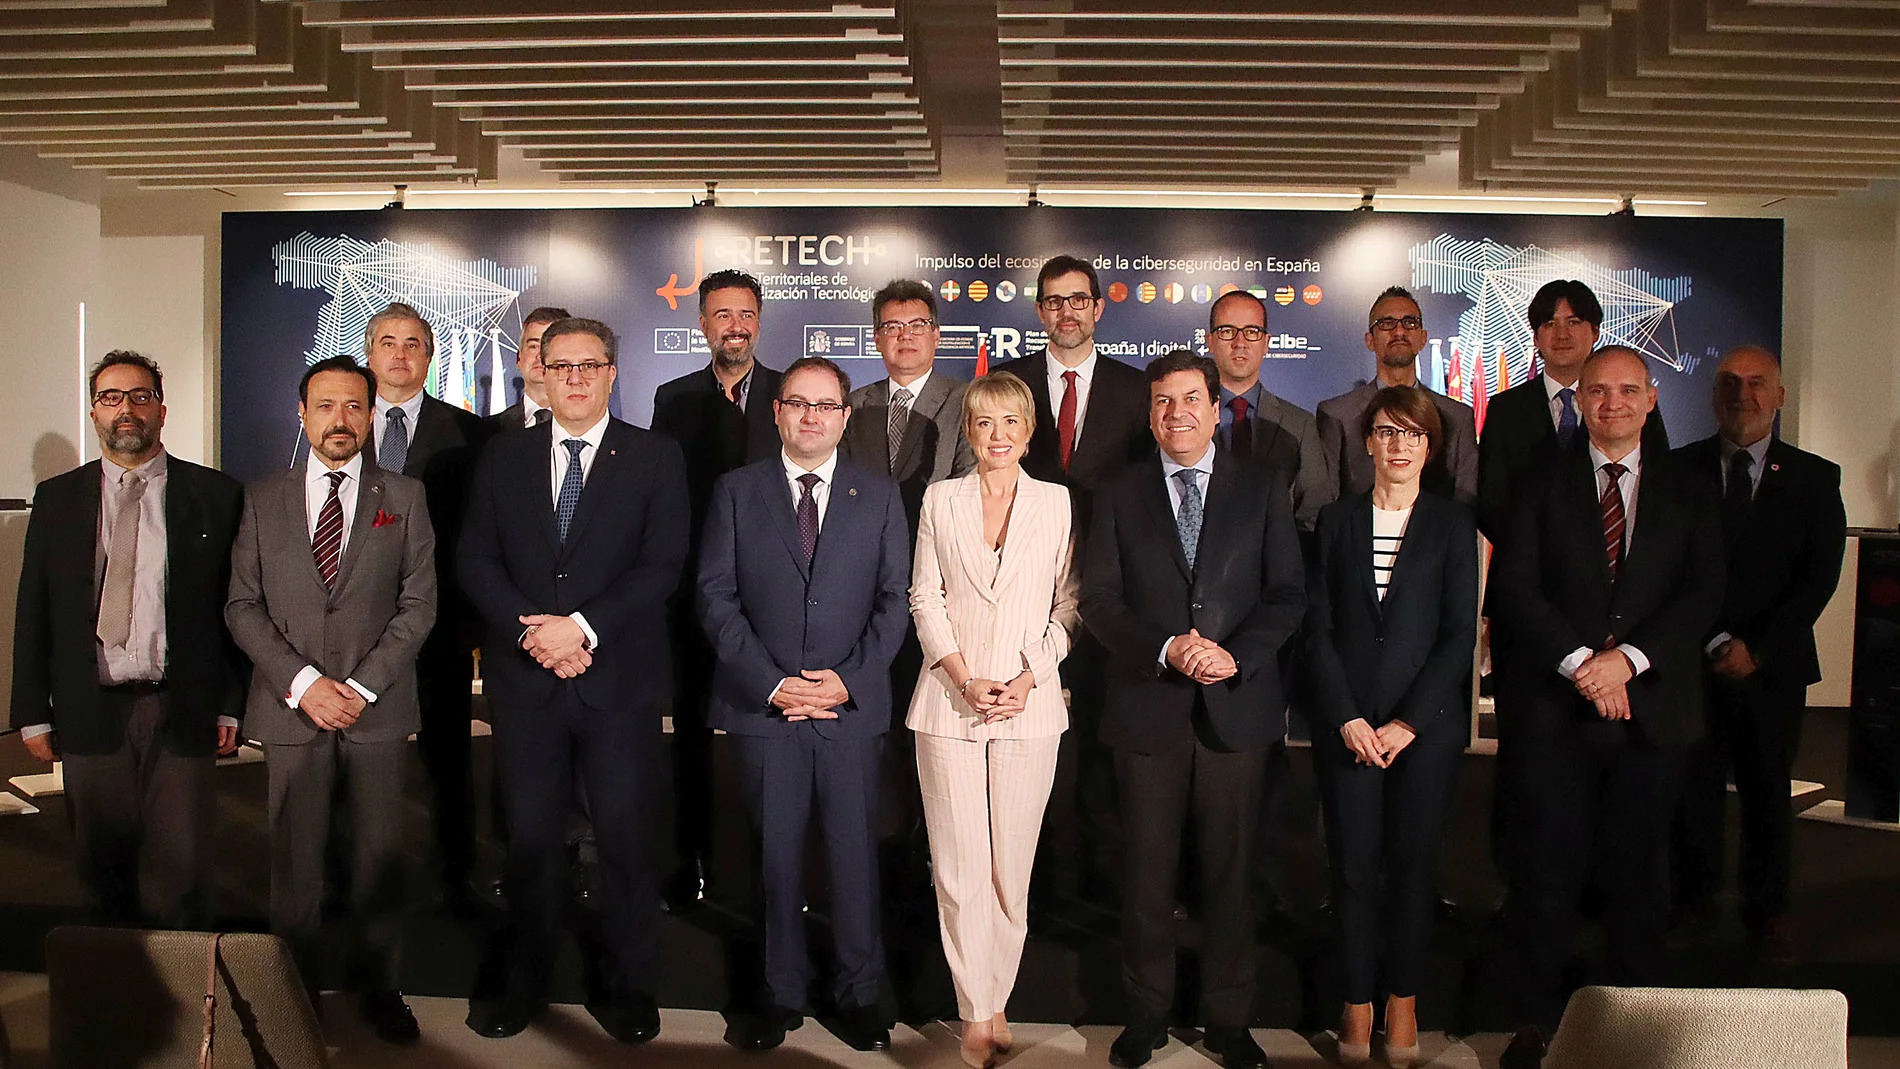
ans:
(1845, 901)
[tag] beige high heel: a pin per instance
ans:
(980, 1054)
(1000, 1036)
(1355, 1019)
(1405, 1011)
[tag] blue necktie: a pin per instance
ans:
(395, 451)
(1187, 521)
(1567, 420)
(570, 496)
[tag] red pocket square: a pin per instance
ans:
(383, 519)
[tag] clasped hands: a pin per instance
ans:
(556, 643)
(1378, 746)
(1200, 659)
(812, 694)
(1601, 678)
(994, 700)
(1734, 660)
(333, 705)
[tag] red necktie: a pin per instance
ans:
(1240, 439)
(327, 544)
(1613, 520)
(1065, 419)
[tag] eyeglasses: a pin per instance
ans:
(1228, 332)
(588, 369)
(1055, 301)
(1394, 323)
(800, 406)
(114, 398)
(1388, 433)
(891, 328)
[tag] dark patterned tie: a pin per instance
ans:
(900, 422)
(327, 544)
(570, 496)
(1740, 489)
(1187, 520)
(1567, 419)
(395, 451)
(1065, 420)
(808, 516)
(1613, 518)
(1240, 436)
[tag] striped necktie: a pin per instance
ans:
(327, 544)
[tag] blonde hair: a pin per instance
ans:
(999, 389)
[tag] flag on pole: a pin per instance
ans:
(982, 355)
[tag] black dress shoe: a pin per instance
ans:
(1136, 1045)
(505, 1018)
(764, 1030)
(863, 1028)
(1236, 1048)
(686, 888)
(388, 1016)
(1525, 1051)
(632, 1019)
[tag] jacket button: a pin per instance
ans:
(1196, 606)
(813, 601)
(328, 609)
(560, 575)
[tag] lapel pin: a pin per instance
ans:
(1774, 467)
(853, 491)
(613, 452)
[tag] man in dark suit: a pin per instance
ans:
(1785, 530)
(573, 594)
(802, 590)
(1395, 332)
(122, 665)
(332, 594)
(1091, 424)
(721, 416)
(1193, 582)
(1606, 584)
(1255, 423)
(424, 438)
(532, 408)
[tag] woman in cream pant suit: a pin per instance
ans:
(994, 597)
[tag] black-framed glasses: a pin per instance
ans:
(1385, 432)
(1055, 301)
(891, 328)
(588, 368)
(1395, 322)
(800, 406)
(1228, 332)
(114, 398)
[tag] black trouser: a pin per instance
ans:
(1222, 790)
(694, 664)
(616, 753)
(1597, 802)
(443, 674)
(1081, 828)
(1754, 729)
(1383, 830)
(142, 818)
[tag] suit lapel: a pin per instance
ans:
(1360, 543)
(868, 427)
(1024, 515)
(841, 513)
(85, 530)
(606, 466)
(1418, 543)
(1159, 505)
(966, 532)
(297, 514)
(775, 497)
(369, 501)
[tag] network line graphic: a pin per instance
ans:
(1494, 348)
(466, 304)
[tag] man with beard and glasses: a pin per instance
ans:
(713, 415)
(121, 662)
(332, 595)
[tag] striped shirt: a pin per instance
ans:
(1388, 531)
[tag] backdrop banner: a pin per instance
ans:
(300, 286)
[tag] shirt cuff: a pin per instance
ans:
(1716, 643)
(1638, 663)
(34, 731)
(1163, 659)
(368, 694)
(1567, 667)
(593, 640)
(304, 679)
(776, 687)
(227, 721)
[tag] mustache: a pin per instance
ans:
(342, 430)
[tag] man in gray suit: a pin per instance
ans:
(1255, 423)
(332, 593)
(909, 425)
(1395, 332)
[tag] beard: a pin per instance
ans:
(128, 434)
(732, 354)
(331, 448)
(1397, 358)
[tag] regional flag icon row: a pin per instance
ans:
(1144, 292)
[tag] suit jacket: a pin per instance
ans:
(1784, 556)
(933, 446)
(1404, 658)
(621, 562)
(508, 419)
(1551, 594)
(1453, 472)
(1246, 592)
(369, 627)
(1517, 436)
(1114, 431)
(442, 451)
(1002, 615)
(55, 651)
(714, 434)
(1286, 438)
(770, 615)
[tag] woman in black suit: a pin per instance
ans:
(1392, 590)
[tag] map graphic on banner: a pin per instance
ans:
(300, 286)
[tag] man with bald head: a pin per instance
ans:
(1784, 528)
(1607, 585)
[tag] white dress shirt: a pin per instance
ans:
(411, 410)
(143, 655)
(916, 385)
(557, 471)
(1084, 375)
(1628, 482)
(821, 493)
(316, 492)
(1555, 404)
(1204, 478)
(528, 409)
